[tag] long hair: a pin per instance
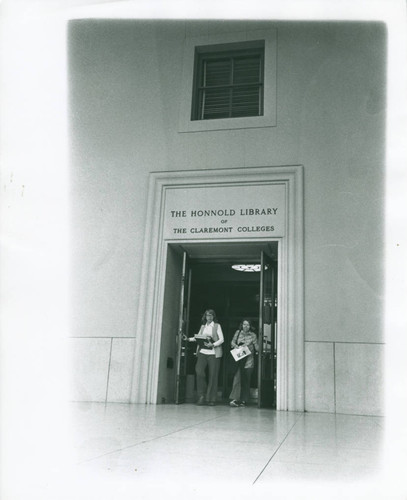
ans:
(210, 311)
(251, 327)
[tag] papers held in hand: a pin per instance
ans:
(202, 339)
(239, 353)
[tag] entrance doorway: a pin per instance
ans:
(238, 281)
(170, 230)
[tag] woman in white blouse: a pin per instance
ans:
(209, 355)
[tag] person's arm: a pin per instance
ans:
(188, 339)
(191, 339)
(255, 343)
(221, 338)
(233, 343)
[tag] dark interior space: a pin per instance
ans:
(233, 295)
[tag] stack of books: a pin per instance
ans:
(201, 339)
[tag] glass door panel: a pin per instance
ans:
(267, 333)
(181, 381)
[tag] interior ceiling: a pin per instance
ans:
(248, 251)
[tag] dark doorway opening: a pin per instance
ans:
(209, 279)
(234, 295)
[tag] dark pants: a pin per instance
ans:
(245, 376)
(209, 391)
(217, 368)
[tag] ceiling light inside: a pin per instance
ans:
(247, 268)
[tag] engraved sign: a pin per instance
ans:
(230, 211)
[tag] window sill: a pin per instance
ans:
(227, 124)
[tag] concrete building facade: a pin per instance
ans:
(315, 156)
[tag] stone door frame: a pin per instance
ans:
(290, 325)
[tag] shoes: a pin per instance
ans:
(201, 401)
(211, 403)
(235, 404)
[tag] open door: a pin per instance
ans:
(267, 383)
(181, 380)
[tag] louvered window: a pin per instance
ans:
(228, 83)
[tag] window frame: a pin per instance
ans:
(214, 42)
(231, 51)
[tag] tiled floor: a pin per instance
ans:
(185, 446)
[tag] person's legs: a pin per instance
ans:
(214, 394)
(212, 378)
(201, 361)
(245, 376)
(235, 392)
